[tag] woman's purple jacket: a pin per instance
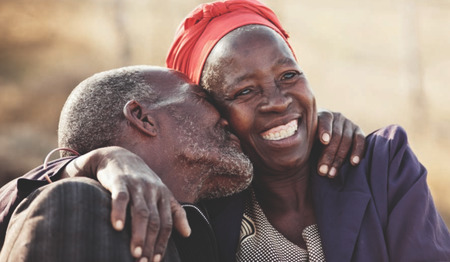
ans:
(380, 210)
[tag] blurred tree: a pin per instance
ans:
(122, 33)
(412, 65)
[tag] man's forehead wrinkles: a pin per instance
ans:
(173, 99)
(177, 95)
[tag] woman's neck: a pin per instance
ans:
(282, 191)
(286, 201)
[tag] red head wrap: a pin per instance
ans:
(207, 24)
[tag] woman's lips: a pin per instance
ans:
(281, 132)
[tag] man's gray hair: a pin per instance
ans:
(92, 116)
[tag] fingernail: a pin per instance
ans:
(137, 252)
(323, 169)
(189, 232)
(355, 159)
(326, 138)
(332, 172)
(143, 259)
(119, 225)
(157, 258)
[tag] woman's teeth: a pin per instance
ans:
(281, 132)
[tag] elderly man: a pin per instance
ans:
(170, 126)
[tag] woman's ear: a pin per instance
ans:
(134, 113)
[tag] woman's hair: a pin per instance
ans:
(92, 116)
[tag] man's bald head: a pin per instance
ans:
(93, 114)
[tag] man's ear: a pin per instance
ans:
(134, 113)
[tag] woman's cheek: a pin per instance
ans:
(240, 120)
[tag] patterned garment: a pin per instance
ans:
(260, 241)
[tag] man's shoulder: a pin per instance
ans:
(13, 192)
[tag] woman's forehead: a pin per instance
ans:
(245, 38)
(241, 44)
(247, 32)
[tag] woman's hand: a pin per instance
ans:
(153, 208)
(338, 135)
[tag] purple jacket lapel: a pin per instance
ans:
(339, 217)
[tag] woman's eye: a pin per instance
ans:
(243, 92)
(289, 75)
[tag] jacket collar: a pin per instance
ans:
(225, 215)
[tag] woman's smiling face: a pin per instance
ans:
(259, 87)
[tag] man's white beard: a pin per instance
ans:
(223, 168)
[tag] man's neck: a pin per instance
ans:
(183, 184)
(180, 180)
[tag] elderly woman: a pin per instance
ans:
(238, 52)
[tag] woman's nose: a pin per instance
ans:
(276, 101)
(224, 123)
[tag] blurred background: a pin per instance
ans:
(378, 62)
